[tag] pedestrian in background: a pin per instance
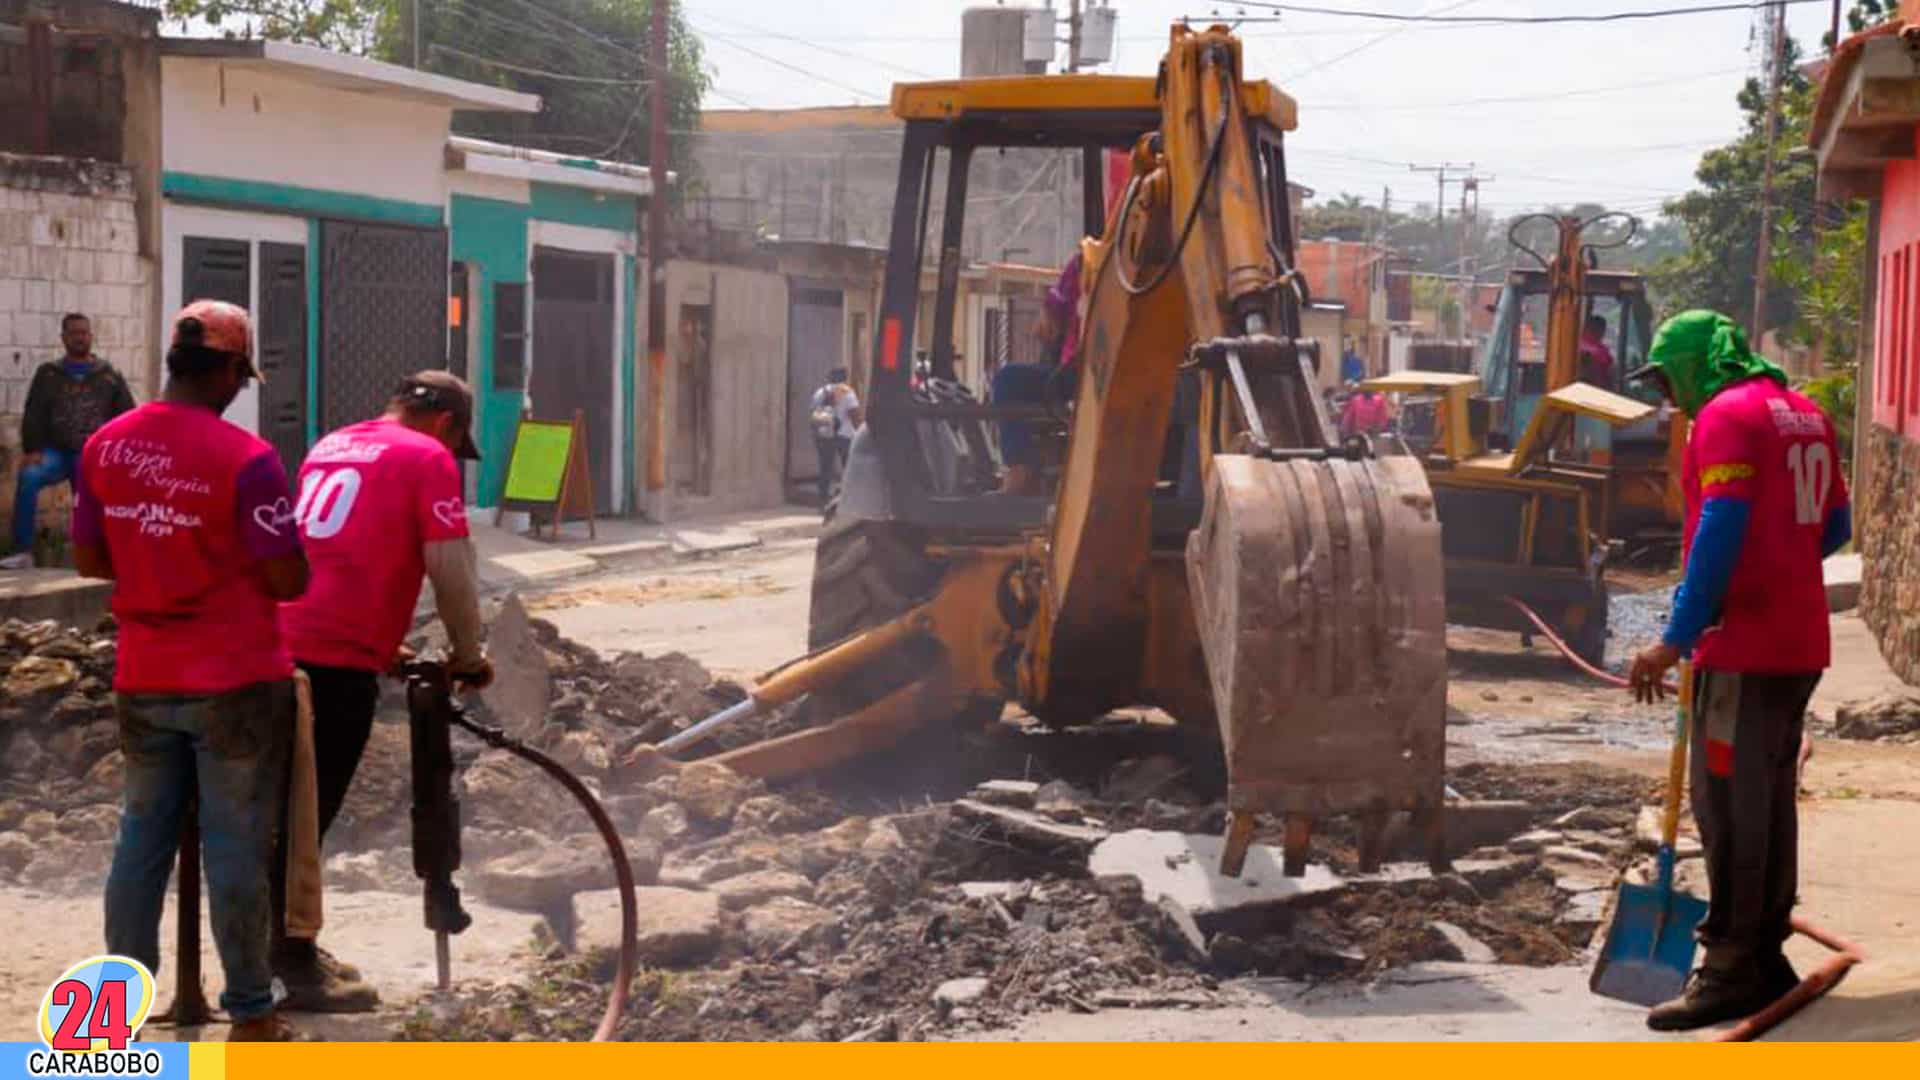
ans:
(67, 401)
(190, 518)
(836, 414)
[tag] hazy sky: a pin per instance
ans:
(1661, 90)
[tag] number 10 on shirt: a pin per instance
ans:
(326, 500)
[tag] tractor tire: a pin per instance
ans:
(866, 573)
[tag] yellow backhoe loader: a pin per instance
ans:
(1207, 546)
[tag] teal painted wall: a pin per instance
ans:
(490, 235)
(577, 206)
(289, 199)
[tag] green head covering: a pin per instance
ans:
(1702, 353)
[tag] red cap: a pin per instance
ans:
(219, 325)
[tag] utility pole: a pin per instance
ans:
(1073, 36)
(1763, 248)
(656, 88)
(1469, 277)
(1441, 180)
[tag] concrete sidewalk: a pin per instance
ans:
(511, 560)
(508, 560)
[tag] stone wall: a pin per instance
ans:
(69, 242)
(1887, 523)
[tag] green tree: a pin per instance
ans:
(585, 58)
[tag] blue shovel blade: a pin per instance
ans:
(1649, 947)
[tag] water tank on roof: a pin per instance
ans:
(994, 41)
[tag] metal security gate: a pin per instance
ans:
(814, 347)
(383, 314)
(573, 352)
(283, 351)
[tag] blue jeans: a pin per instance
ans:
(235, 746)
(54, 467)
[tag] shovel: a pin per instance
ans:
(1648, 949)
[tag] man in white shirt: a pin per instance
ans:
(835, 412)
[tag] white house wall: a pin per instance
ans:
(177, 222)
(244, 123)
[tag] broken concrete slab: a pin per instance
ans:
(1465, 947)
(1534, 840)
(759, 886)
(774, 924)
(1842, 576)
(1491, 875)
(1186, 868)
(989, 890)
(1582, 916)
(957, 992)
(1018, 793)
(1584, 818)
(676, 926)
(711, 792)
(538, 880)
(534, 567)
(1027, 827)
(696, 542)
(522, 684)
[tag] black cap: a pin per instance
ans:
(443, 391)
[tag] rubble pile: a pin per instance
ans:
(850, 911)
(60, 763)
(1891, 717)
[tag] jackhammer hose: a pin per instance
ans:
(616, 851)
(1575, 658)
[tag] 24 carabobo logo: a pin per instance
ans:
(89, 1017)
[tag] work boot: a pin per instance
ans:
(269, 1027)
(1778, 976)
(1713, 996)
(316, 982)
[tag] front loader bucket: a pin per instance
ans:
(1317, 590)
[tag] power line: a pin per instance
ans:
(1368, 44)
(795, 68)
(811, 44)
(533, 71)
(1526, 98)
(1518, 20)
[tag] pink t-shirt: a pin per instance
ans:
(371, 495)
(1761, 442)
(188, 507)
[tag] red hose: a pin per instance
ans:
(1575, 658)
(1822, 979)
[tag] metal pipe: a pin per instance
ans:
(803, 676)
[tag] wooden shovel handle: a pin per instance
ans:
(1677, 759)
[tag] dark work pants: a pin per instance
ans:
(344, 701)
(833, 458)
(1746, 749)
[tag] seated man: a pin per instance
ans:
(1026, 384)
(1596, 360)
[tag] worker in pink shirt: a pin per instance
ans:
(1365, 413)
(1766, 503)
(190, 518)
(380, 510)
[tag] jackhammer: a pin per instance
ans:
(432, 714)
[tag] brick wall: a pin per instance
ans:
(68, 242)
(1888, 526)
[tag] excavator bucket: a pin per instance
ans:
(1317, 590)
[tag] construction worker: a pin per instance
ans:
(1366, 412)
(1596, 360)
(1766, 502)
(190, 518)
(380, 508)
(67, 401)
(1058, 333)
